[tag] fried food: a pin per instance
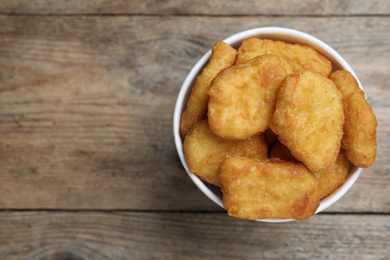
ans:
(283, 98)
(303, 57)
(309, 118)
(359, 140)
(268, 189)
(242, 98)
(329, 179)
(204, 151)
(333, 177)
(223, 56)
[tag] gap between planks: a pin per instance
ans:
(362, 15)
(167, 211)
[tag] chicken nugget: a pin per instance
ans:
(204, 151)
(333, 177)
(309, 118)
(268, 189)
(303, 57)
(223, 56)
(242, 98)
(359, 140)
(329, 179)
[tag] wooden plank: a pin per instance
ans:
(86, 107)
(93, 235)
(198, 7)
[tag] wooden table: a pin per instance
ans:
(89, 168)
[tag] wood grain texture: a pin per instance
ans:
(198, 7)
(86, 106)
(87, 92)
(94, 235)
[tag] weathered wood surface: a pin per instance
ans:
(94, 235)
(86, 107)
(87, 91)
(198, 7)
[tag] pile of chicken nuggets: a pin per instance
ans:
(275, 128)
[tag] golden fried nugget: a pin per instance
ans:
(268, 189)
(309, 118)
(333, 177)
(303, 57)
(281, 151)
(329, 179)
(223, 56)
(242, 98)
(204, 151)
(359, 140)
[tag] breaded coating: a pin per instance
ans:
(303, 57)
(223, 56)
(333, 177)
(359, 140)
(242, 98)
(255, 189)
(309, 118)
(329, 179)
(204, 151)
